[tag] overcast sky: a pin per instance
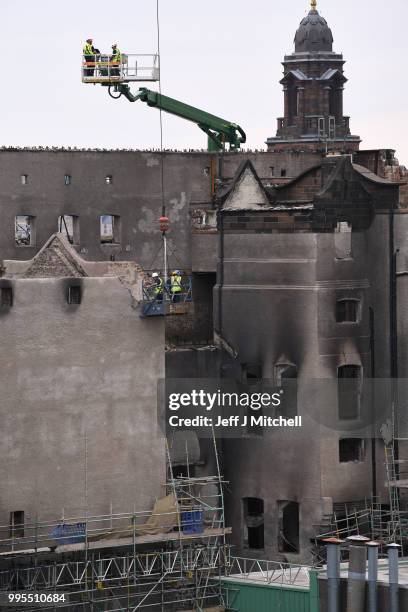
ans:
(223, 56)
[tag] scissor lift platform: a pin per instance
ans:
(131, 68)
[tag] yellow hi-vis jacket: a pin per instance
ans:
(175, 283)
(116, 57)
(158, 287)
(88, 49)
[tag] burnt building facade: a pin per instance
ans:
(290, 255)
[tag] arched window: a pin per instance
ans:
(288, 516)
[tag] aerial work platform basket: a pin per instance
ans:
(131, 68)
(160, 302)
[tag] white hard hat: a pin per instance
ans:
(154, 275)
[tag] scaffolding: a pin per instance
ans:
(166, 560)
(383, 521)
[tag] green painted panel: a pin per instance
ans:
(249, 597)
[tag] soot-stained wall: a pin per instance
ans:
(78, 401)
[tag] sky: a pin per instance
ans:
(223, 56)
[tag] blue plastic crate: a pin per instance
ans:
(192, 521)
(68, 533)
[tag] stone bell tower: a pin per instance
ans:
(313, 85)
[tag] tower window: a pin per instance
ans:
(17, 524)
(67, 179)
(332, 128)
(109, 179)
(321, 130)
(110, 229)
(349, 391)
(24, 179)
(283, 172)
(24, 230)
(288, 517)
(272, 170)
(6, 297)
(347, 311)
(74, 294)
(351, 450)
(254, 522)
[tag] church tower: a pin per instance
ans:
(313, 85)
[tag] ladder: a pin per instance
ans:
(394, 533)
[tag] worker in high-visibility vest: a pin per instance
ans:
(89, 53)
(157, 289)
(115, 59)
(175, 286)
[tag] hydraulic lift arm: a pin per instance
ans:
(219, 131)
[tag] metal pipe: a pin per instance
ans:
(333, 573)
(393, 550)
(372, 548)
(356, 585)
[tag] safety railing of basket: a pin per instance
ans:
(153, 292)
(130, 67)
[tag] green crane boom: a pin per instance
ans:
(219, 131)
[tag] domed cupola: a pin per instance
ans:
(313, 34)
(313, 83)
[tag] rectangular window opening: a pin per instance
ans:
(110, 229)
(349, 391)
(17, 524)
(254, 522)
(347, 311)
(6, 297)
(286, 375)
(24, 179)
(351, 450)
(288, 517)
(67, 179)
(24, 230)
(343, 227)
(283, 172)
(68, 225)
(109, 179)
(74, 294)
(342, 240)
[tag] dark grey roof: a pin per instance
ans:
(313, 34)
(374, 178)
(330, 73)
(297, 74)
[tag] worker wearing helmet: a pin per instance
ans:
(115, 59)
(89, 52)
(175, 286)
(157, 287)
